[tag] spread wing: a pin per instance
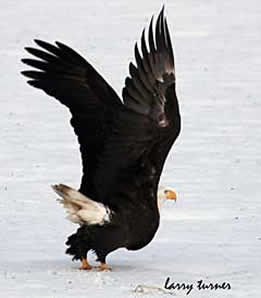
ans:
(145, 90)
(117, 141)
(150, 89)
(65, 75)
(145, 131)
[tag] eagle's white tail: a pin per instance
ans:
(81, 209)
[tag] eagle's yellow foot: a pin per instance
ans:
(104, 267)
(85, 265)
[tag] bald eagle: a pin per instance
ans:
(123, 143)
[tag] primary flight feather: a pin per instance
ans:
(123, 143)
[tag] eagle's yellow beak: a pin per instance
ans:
(171, 195)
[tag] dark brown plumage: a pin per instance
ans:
(123, 145)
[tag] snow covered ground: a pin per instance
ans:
(213, 233)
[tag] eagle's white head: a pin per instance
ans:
(165, 193)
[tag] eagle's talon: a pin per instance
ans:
(85, 265)
(104, 267)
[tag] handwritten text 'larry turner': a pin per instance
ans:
(200, 285)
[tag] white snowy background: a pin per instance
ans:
(213, 232)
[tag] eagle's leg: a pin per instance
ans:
(85, 265)
(101, 254)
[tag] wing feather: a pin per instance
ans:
(153, 75)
